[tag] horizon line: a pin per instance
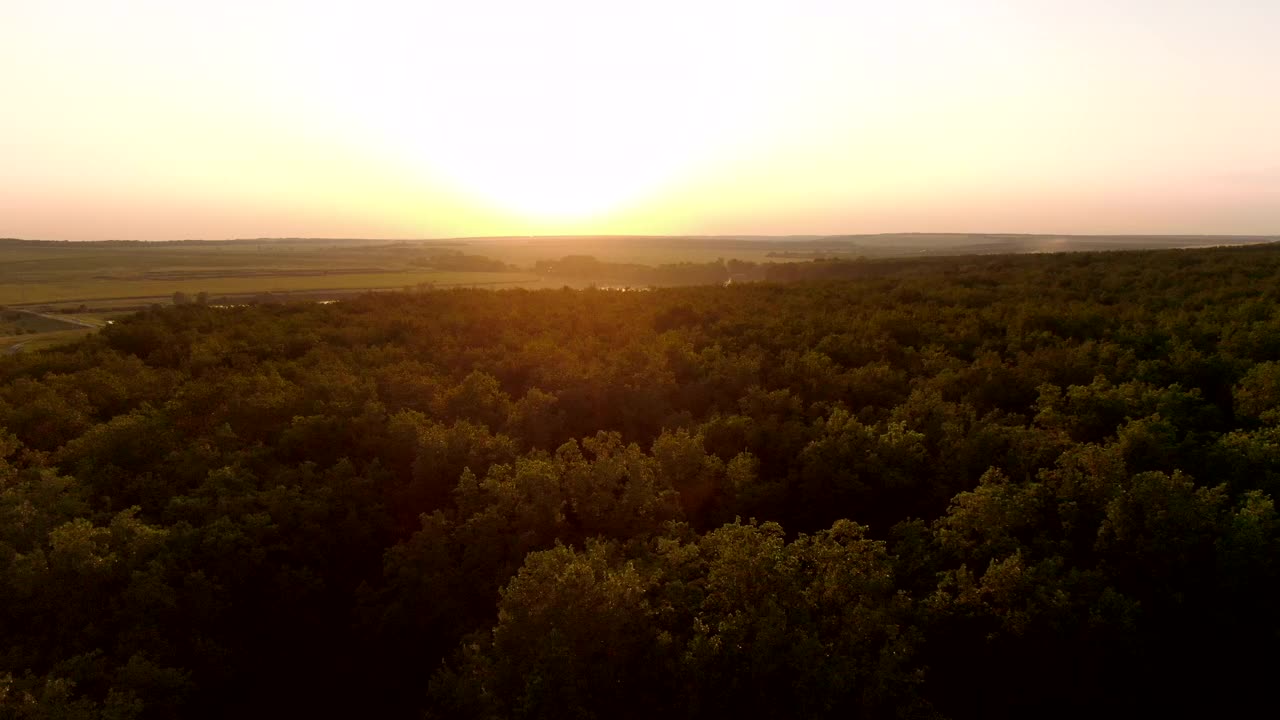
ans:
(677, 236)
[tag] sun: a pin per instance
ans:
(541, 121)
(553, 166)
(552, 179)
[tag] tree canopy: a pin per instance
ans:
(968, 487)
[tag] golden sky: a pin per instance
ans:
(164, 119)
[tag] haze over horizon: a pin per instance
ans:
(149, 120)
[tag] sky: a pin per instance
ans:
(165, 119)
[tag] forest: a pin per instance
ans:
(972, 487)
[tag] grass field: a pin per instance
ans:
(81, 286)
(663, 250)
(133, 273)
(525, 252)
(59, 273)
(13, 322)
(22, 330)
(28, 343)
(90, 289)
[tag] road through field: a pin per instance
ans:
(93, 291)
(63, 318)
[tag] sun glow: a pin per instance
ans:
(152, 119)
(543, 121)
(565, 165)
(548, 176)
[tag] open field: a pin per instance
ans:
(126, 275)
(15, 322)
(134, 273)
(26, 343)
(73, 288)
(52, 273)
(525, 251)
(80, 290)
(27, 330)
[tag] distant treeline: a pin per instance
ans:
(588, 268)
(852, 252)
(459, 262)
(990, 487)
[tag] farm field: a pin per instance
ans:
(79, 286)
(10, 344)
(22, 330)
(60, 273)
(14, 322)
(526, 251)
(73, 291)
(135, 273)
